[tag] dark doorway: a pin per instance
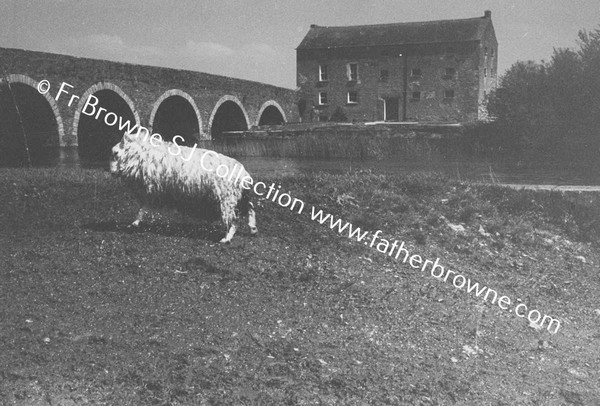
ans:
(392, 108)
(95, 137)
(229, 117)
(176, 116)
(39, 125)
(271, 116)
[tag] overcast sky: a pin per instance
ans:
(256, 39)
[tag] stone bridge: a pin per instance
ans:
(198, 106)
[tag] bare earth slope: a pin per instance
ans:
(92, 312)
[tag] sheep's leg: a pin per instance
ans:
(143, 210)
(230, 233)
(229, 218)
(252, 220)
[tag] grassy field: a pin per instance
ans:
(94, 313)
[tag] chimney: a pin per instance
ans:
(487, 14)
(313, 25)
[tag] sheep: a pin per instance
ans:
(160, 178)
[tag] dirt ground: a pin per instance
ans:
(95, 313)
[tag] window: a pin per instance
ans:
(352, 97)
(485, 72)
(384, 75)
(484, 94)
(449, 94)
(450, 73)
(493, 51)
(416, 72)
(352, 70)
(323, 73)
(416, 96)
(322, 98)
(486, 51)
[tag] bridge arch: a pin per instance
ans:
(228, 115)
(94, 136)
(270, 113)
(40, 117)
(175, 113)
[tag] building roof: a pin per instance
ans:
(469, 29)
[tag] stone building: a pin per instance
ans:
(434, 72)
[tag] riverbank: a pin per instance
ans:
(94, 312)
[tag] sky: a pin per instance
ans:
(256, 39)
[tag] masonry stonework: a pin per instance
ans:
(439, 71)
(139, 89)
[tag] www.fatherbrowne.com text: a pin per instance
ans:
(398, 250)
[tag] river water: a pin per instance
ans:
(489, 170)
(483, 170)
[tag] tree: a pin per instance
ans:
(589, 53)
(555, 106)
(521, 105)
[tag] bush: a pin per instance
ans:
(339, 116)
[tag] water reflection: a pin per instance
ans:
(496, 169)
(483, 170)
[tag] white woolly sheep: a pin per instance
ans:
(194, 185)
